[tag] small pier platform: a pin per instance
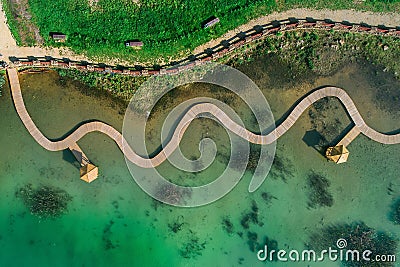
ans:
(350, 136)
(339, 153)
(79, 155)
(88, 171)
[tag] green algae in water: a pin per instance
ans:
(395, 212)
(2, 83)
(45, 201)
(319, 195)
(359, 237)
(139, 234)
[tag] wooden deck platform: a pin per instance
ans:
(350, 136)
(79, 154)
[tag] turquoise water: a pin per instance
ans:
(113, 222)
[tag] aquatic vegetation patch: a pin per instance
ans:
(2, 82)
(255, 244)
(240, 158)
(227, 225)
(267, 197)
(252, 241)
(325, 119)
(319, 52)
(251, 237)
(193, 247)
(106, 237)
(250, 217)
(171, 194)
(155, 204)
(176, 225)
(359, 237)
(388, 96)
(319, 196)
(117, 213)
(254, 157)
(282, 168)
(120, 86)
(395, 212)
(45, 201)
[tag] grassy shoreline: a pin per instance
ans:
(168, 30)
(11, 21)
(119, 86)
(317, 52)
(321, 51)
(2, 81)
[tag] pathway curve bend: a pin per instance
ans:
(190, 115)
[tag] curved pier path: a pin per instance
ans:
(70, 141)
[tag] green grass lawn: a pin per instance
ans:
(168, 28)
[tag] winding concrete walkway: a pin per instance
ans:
(191, 114)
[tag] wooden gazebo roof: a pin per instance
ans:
(338, 154)
(89, 173)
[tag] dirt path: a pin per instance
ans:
(6, 40)
(31, 33)
(8, 46)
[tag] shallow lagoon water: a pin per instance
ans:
(112, 221)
